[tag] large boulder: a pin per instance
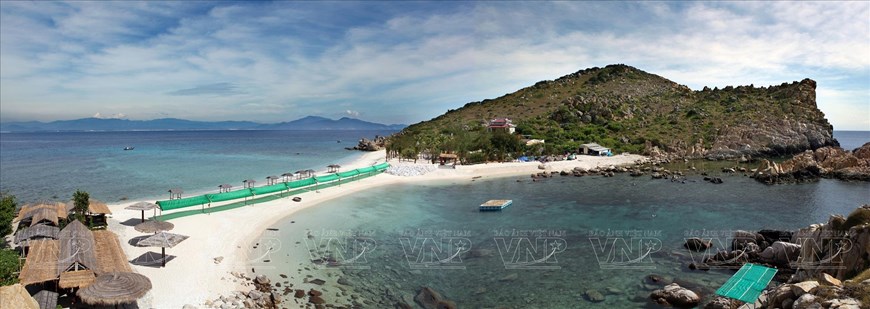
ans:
(676, 296)
(720, 302)
(697, 244)
(781, 253)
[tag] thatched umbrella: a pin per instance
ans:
(154, 226)
(143, 206)
(115, 288)
(162, 240)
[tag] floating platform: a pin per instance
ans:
(493, 205)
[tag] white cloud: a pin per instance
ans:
(273, 61)
(112, 116)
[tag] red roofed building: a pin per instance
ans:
(503, 124)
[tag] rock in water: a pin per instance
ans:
(697, 244)
(262, 279)
(431, 299)
(676, 296)
(594, 296)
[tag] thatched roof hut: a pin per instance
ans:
(76, 279)
(76, 248)
(46, 299)
(110, 256)
(44, 215)
(115, 288)
(97, 207)
(16, 297)
(41, 263)
(38, 231)
(26, 211)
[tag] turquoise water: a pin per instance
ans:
(51, 166)
(582, 219)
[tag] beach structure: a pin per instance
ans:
(162, 240)
(154, 226)
(494, 205)
(41, 263)
(48, 213)
(271, 180)
(109, 254)
(594, 149)
(332, 168)
(444, 157)
(25, 235)
(115, 288)
(248, 183)
(287, 176)
(97, 212)
(225, 188)
(175, 193)
(16, 297)
(278, 187)
(46, 299)
(142, 206)
(76, 260)
(501, 124)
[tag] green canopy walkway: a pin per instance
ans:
(263, 194)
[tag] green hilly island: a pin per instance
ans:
(630, 110)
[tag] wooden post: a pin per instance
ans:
(163, 252)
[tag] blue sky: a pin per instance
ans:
(404, 62)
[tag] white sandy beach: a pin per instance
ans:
(192, 277)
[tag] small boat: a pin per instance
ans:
(128, 148)
(297, 199)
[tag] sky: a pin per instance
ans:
(404, 62)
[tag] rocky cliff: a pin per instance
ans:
(810, 165)
(631, 110)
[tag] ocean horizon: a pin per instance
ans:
(50, 166)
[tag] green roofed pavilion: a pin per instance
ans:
(746, 285)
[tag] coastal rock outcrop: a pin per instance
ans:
(675, 295)
(840, 248)
(365, 144)
(827, 162)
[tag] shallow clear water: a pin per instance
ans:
(560, 237)
(51, 166)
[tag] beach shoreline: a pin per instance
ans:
(192, 276)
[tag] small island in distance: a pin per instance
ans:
(168, 124)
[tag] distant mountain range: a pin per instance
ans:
(167, 124)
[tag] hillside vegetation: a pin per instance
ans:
(634, 111)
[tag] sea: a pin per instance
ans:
(50, 166)
(561, 240)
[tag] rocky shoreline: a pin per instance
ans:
(821, 266)
(825, 162)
